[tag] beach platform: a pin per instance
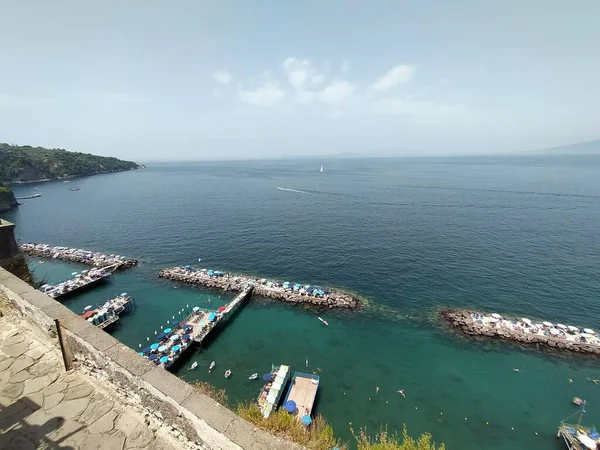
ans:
(303, 392)
(109, 313)
(76, 255)
(79, 282)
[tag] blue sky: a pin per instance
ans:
(152, 80)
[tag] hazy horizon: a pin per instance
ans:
(148, 81)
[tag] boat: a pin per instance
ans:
(578, 401)
(227, 373)
(324, 321)
(254, 376)
(74, 188)
(321, 169)
(212, 366)
(271, 393)
(300, 398)
(576, 435)
(194, 365)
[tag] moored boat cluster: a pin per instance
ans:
(76, 255)
(525, 331)
(273, 289)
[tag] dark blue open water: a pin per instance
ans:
(512, 234)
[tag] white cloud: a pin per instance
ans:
(223, 77)
(421, 108)
(337, 92)
(398, 75)
(345, 67)
(302, 73)
(268, 94)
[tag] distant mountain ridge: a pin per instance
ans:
(580, 147)
(23, 164)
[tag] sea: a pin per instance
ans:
(512, 234)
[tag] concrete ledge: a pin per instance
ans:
(97, 338)
(13, 283)
(36, 298)
(168, 384)
(213, 413)
(126, 357)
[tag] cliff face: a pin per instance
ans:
(7, 199)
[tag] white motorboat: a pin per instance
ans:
(227, 373)
(212, 366)
(254, 376)
(325, 322)
(194, 365)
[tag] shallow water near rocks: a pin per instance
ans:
(511, 234)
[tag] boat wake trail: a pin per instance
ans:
(294, 190)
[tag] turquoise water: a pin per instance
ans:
(516, 235)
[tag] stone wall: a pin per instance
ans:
(11, 257)
(174, 402)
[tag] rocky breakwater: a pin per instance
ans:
(94, 259)
(523, 331)
(286, 292)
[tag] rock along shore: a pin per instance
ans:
(330, 298)
(465, 321)
(94, 259)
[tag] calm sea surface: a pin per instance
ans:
(512, 234)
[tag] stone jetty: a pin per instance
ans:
(524, 331)
(76, 255)
(272, 289)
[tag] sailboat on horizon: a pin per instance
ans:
(321, 169)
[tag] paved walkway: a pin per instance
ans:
(43, 407)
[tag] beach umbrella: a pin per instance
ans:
(493, 320)
(212, 317)
(267, 377)
(525, 320)
(162, 348)
(164, 359)
(175, 323)
(147, 350)
(290, 406)
(176, 348)
(174, 337)
(154, 346)
(161, 336)
(124, 294)
(588, 331)
(186, 337)
(306, 420)
(167, 330)
(195, 309)
(496, 316)
(554, 331)
(152, 357)
(572, 328)
(548, 324)
(221, 309)
(141, 353)
(202, 324)
(73, 274)
(562, 326)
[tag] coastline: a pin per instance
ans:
(332, 298)
(466, 322)
(72, 177)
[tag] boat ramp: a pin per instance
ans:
(110, 312)
(525, 331)
(286, 291)
(195, 328)
(80, 282)
(94, 259)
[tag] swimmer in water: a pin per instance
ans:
(377, 389)
(516, 370)
(401, 392)
(570, 380)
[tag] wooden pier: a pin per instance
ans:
(303, 391)
(79, 283)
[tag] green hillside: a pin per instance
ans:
(25, 163)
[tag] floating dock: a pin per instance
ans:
(525, 331)
(195, 328)
(110, 312)
(80, 282)
(303, 392)
(275, 289)
(89, 258)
